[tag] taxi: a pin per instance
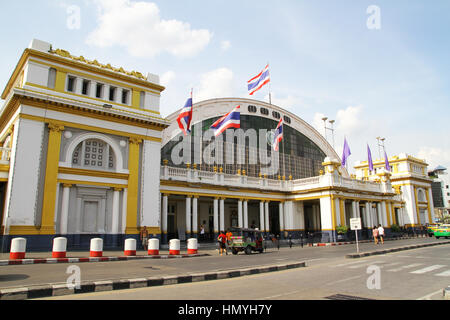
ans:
(442, 231)
(432, 228)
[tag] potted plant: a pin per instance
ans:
(341, 232)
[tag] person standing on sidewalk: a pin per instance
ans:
(228, 237)
(375, 234)
(222, 242)
(381, 233)
(144, 237)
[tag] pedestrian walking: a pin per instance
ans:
(375, 234)
(144, 237)
(381, 233)
(228, 237)
(222, 242)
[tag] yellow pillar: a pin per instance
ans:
(136, 98)
(333, 212)
(342, 211)
(428, 205)
(133, 186)
(417, 206)
(60, 83)
(51, 177)
(394, 220)
(388, 214)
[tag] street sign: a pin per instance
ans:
(355, 224)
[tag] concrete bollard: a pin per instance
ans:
(96, 247)
(174, 247)
(192, 246)
(130, 247)
(18, 248)
(59, 247)
(153, 247)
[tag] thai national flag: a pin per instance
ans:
(185, 117)
(231, 120)
(278, 135)
(259, 81)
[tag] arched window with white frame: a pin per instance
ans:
(94, 154)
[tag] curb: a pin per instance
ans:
(53, 290)
(94, 259)
(416, 246)
(327, 244)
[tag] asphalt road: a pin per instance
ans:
(318, 258)
(418, 274)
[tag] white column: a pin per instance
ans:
(124, 209)
(245, 214)
(188, 215)
(368, 215)
(164, 213)
(266, 214)
(379, 214)
(222, 214)
(115, 211)
(261, 215)
(65, 208)
(195, 215)
(216, 215)
(281, 214)
(240, 217)
(384, 214)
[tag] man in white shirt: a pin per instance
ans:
(381, 233)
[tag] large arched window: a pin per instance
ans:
(421, 196)
(94, 154)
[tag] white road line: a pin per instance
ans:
(343, 280)
(443, 274)
(366, 264)
(405, 267)
(428, 296)
(349, 263)
(428, 269)
(390, 264)
(279, 295)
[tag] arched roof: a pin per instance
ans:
(215, 107)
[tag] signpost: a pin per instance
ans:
(355, 224)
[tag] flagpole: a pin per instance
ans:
(270, 88)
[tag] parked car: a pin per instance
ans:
(442, 231)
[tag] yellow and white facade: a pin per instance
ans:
(80, 150)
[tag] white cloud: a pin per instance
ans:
(225, 45)
(138, 27)
(434, 157)
(349, 121)
(167, 77)
(215, 84)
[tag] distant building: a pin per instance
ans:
(441, 190)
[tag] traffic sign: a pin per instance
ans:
(355, 223)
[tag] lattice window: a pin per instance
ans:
(95, 154)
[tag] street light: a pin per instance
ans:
(380, 145)
(326, 128)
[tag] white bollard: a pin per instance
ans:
(174, 247)
(18, 248)
(130, 247)
(153, 247)
(96, 247)
(59, 247)
(192, 246)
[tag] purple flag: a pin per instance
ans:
(369, 156)
(346, 152)
(386, 162)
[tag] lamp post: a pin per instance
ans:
(380, 145)
(326, 128)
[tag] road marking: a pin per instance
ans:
(279, 295)
(428, 269)
(406, 267)
(444, 274)
(366, 264)
(348, 263)
(390, 264)
(343, 280)
(428, 296)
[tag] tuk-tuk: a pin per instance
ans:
(247, 240)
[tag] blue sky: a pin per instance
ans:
(324, 60)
